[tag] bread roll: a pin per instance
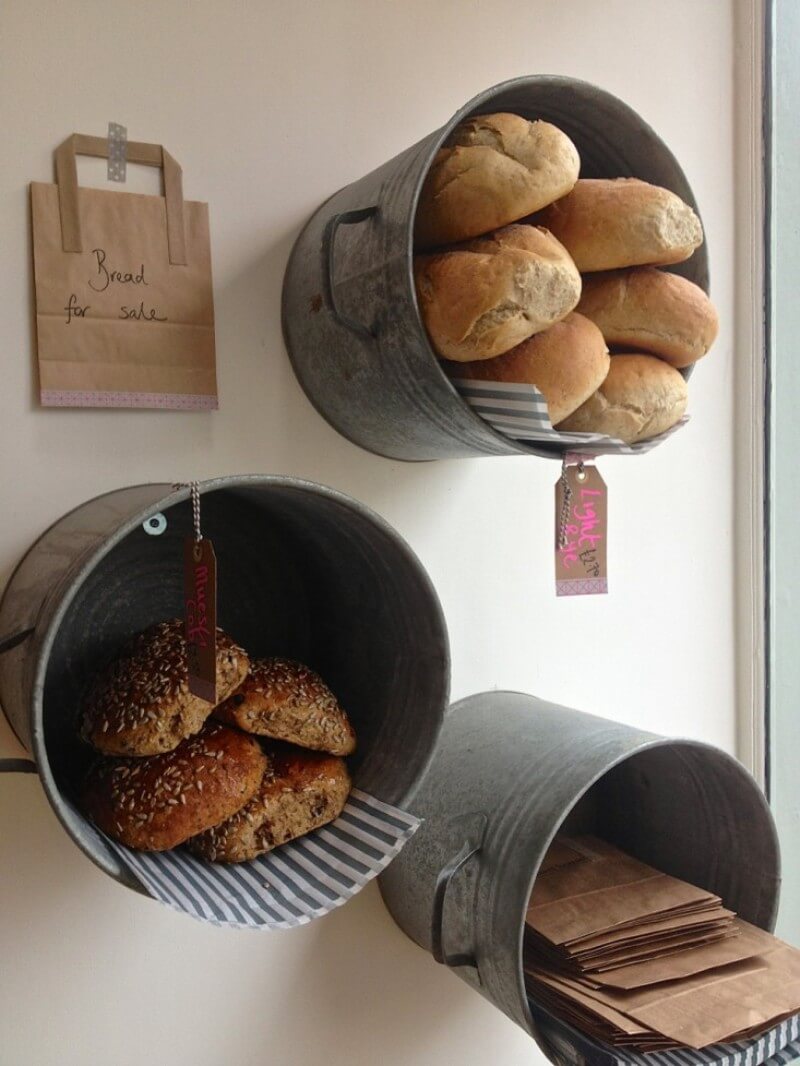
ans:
(302, 791)
(141, 705)
(566, 363)
(622, 222)
(158, 802)
(641, 397)
(493, 170)
(481, 298)
(650, 310)
(285, 700)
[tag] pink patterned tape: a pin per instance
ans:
(165, 401)
(581, 586)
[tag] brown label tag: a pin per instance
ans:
(581, 531)
(200, 616)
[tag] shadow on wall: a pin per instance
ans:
(351, 972)
(284, 432)
(30, 830)
(404, 1004)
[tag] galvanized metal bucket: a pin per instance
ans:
(510, 771)
(350, 317)
(305, 572)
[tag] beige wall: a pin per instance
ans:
(270, 107)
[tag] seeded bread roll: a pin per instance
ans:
(641, 397)
(493, 170)
(141, 705)
(650, 310)
(566, 363)
(158, 802)
(481, 298)
(302, 791)
(605, 224)
(287, 701)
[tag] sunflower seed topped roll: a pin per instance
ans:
(301, 791)
(141, 704)
(286, 700)
(158, 802)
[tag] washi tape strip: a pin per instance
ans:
(289, 886)
(167, 401)
(117, 152)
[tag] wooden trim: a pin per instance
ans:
(751, 386)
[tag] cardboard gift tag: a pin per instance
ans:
(200, 613)
(581, 531)
(124, 303)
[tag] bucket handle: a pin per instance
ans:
(16, 766)
(443, 881)
(343, 218)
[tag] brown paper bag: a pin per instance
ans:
(580, 899)
(701, 1009)
(124, 303)
(650, 931)
(748, 942)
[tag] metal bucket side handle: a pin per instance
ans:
(18, 766)
(472, 846)
(343, 218)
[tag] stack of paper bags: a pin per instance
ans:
(641, 960)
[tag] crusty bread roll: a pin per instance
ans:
(650, 310)
(493, 170)
(302, 791)
(641, 397)
(481, 298)
(158, 802)
(141, 705)
(287, 701)
(566, 363)
(609, 223)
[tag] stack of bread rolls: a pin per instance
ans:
(526, 273)
(231, 781)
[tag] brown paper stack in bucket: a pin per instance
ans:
(642, 960)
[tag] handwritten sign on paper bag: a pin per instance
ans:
(124, 303)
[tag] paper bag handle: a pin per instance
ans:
(151, 155)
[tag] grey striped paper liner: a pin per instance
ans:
(289, 886)
(520, 412)
(780, 1044)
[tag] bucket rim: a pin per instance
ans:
(173, 495)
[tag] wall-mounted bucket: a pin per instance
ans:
(510, 771)
(304, 572)
(350, 317)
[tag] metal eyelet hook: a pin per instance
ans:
(155, 525)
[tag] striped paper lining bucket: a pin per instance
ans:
(520, 411)
(289, 886)
(778, 1045)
